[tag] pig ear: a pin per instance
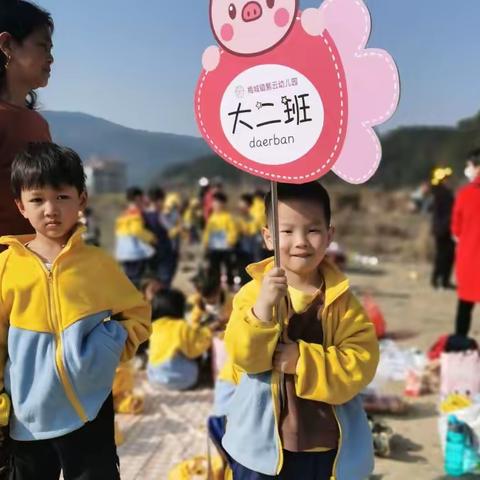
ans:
(313, 22)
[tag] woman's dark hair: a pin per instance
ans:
(168, 303)
(46, 164)
(20, 19)
(474, 157)
(310, 192)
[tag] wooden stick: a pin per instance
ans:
(276, 255)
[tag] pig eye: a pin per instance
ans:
(232, 11)
(270, 3)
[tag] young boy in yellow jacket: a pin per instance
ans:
(220, 237)
(68, 315)
(134, 242)
(296, 413)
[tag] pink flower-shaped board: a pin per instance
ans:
(289, 95)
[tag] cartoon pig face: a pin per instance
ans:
(250, 27)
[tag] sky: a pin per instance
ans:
(136, 63)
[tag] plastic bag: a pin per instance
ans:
(459, 373)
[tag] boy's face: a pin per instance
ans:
(304, 235)
(218, 206)
(52, 212)
(139, 202)
(243, 207)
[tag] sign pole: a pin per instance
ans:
(276, 255)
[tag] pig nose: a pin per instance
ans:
(251, 11)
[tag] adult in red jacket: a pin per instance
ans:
(466, 230)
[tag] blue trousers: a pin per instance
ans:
(296, 466)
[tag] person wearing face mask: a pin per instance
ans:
(466, 230)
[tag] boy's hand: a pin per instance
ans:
(274, 288)
(286, 357)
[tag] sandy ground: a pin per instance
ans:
(171, 428)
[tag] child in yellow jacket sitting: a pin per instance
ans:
(174, 344)
(296, 411)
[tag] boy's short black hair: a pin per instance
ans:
(156, 193)
(247, 198)
(207, 285)
(220, 197)
(310, 192)
(474, 157)
(168, 302)
(132, 193)
(45, 164)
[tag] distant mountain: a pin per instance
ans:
(145, 153)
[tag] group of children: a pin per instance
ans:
(298, 345)
(289, 394)
(150, 231)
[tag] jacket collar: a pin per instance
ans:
(336, 283)
(19, 241)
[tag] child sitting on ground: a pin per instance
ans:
(175, 345)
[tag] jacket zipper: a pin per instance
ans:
(67, 386)
(340, 440)
(276, 413)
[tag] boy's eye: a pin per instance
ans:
(285, 231)
(35, 200)
(63, 197)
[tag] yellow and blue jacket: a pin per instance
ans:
(334, 373)
(174, 346)
(133, 240)
(63, 332)
(221, 232)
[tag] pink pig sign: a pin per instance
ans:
(289, 95)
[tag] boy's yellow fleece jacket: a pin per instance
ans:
(333, 372)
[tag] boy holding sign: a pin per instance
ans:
(311, 424)
(289, 95)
